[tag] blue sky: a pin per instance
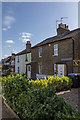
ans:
(36, 19)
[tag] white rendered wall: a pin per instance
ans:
(20, 64)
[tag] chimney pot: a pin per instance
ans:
(62, 28)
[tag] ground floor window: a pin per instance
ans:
(40, 69)
(54, 69)
(61, 70)
(18, 70)
(12, 70)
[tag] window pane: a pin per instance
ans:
(56, 52)
(18, 58)
(54, 69)
(40, 52)
(40, 69)
(56, 49)
(26, 57)
(56, 46)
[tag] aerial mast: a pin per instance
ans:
(61, 20)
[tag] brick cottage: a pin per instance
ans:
(57, 55)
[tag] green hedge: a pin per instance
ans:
(36, 103)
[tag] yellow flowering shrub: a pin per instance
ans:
(60, 84)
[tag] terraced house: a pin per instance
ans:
(9, 62)
(57, 55)
(22, 60)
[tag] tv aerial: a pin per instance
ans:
(61, 20)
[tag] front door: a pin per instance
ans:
(60, 70)
(29, 71)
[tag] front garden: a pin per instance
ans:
(37, 99)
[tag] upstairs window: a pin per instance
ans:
(18, 59)
(40, 69)
(26, 57)
(56, 50)
(54, 69)
(40, 52)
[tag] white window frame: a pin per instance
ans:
(40, 52)
(40, 69)
(56, 50)
(55, 69)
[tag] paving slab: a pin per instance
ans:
(7, 112)
(72, 97)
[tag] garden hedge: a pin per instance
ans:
(60, 84)
(37, 101)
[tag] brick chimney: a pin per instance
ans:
(28, 46)
(13, 55)
(62, 28)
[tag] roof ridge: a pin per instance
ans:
(46, 41)
(23, 52)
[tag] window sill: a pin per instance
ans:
(55, 55)
(40, 57)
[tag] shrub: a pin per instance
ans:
(36, 100)
(13, 86)
(44, 104)
(13, 74)
(60, 84)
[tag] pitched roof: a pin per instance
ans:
(23, 52)
(58, 37)
(8, 59)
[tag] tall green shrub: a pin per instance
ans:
(13, 86)
(36, 100)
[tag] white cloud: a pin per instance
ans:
(4, 29)
(10, 41)
(24, 37)
(27, 34)
(7, 22)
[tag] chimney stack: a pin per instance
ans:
(62, 28)
(13, 55)
(28, 46)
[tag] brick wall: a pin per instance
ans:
(65, 50)
(76, 38)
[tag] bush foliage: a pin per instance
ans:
(37, 100)
(60, 84)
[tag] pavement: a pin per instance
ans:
(7, 112)
(72, 97)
